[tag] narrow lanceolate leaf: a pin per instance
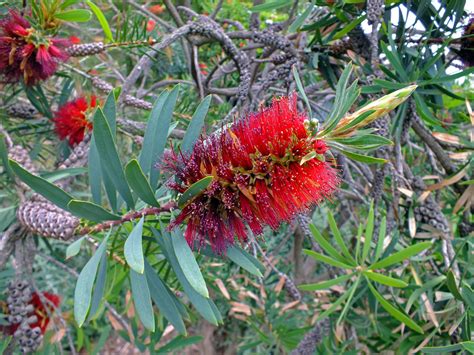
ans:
(4, 156)
(102, 20)
(270, 5)
(327, 247)
(85, 283)
(139, 183)
(452, 285)
(401, 255)
(147, 154)
(385, 280)
(133, 248)
(244, 260)
(109, 158)
(336, 304)
(338, 237)
(382, 235)
(77, 15)
(326, 259)
(194, 190)
(99, 289)
(164, 299)
(74, 248)
(161, 134)
(394, 312)
(95, 174)
(301, 18)
(300, 88)
(51, 192)
(369, 231)
(188, 263)
(90, 211)
(325, 284)
(195, 127)
(142, 299)
(446, 349)
(362, 158)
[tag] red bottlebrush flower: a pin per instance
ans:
(258, 178)
(150, 25)
(25, 53)
(156, 9)
(71, 119)
(74, 40)
(43, 312)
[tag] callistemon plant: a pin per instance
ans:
(71, 121)
(26, 53)
(262, 170)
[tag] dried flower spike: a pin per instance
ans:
(26, 53)
(71, 119)
(265, 169)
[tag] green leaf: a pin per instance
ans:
(133, 249)
(203, 305)
(77, 15)
(85, 283)
(164, 301)
(300, 87)
(188, 263)
(109, 158)
(49, 191)
(139, 183)
(453, 288)
(362, 158)
(301, 18)
(382, 232)
(325, 284)
(99, 289)
(244, 260)
(365, 141)
(91, 211)
(468, 346)
(4, 157)
(401, 255)
(142, 299)
(394, 312)
(349, 300)
(102, 20)
(196, 124)
(95, 174)
(326, 259)
(74, 248)
(349, 27)
(178, 343)
(272, 5)
(327, 247)
(161, 134)
(194, 190)
(369, 231)
(339, 240)
(336, 304)
(385, 280)
(147, 154)
(63, 173)
(468, 295)
(441, 349)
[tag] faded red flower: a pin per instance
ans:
(24, 53)
(259, 176)
(71, 119)
(43, 311)
(156, 9)
(74, 40)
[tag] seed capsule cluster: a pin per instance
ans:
(22, 317)
(22, 110)
(45, 219)
(431, 214)
(85, 49)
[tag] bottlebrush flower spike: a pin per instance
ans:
(25, 53)
(259, 176)
(71, 119)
